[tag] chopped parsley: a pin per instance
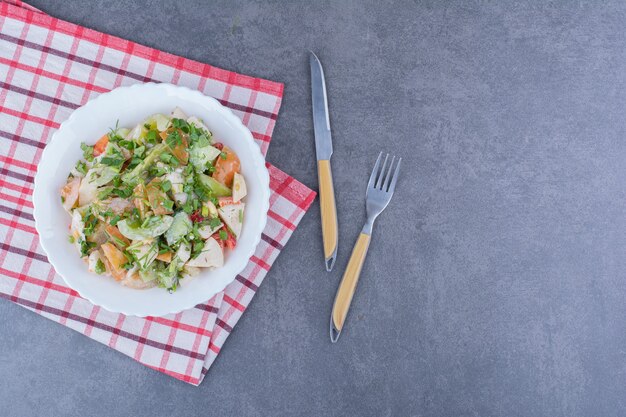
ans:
(81, 167)
(100, 269)
(139, 151)
(85, 246)
(166, 185)
(113, 221)
(166, 157)
(168, 204)
(87, 151)
(152, 136)
(214, 222)
(188, 207)
(91, 221)
(123, 192)
(112, 161)
(121, 197)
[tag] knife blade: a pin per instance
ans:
(324, 150)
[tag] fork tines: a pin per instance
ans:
(385, 178)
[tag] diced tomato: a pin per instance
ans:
(230, 241)
(218, 145)
(101, 145)
(225, 201)
(225, 168)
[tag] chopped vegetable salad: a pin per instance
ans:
(152, 205)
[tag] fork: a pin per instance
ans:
(380, 189)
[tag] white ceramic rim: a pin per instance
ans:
(193, 298)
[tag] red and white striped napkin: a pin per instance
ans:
(48, 68)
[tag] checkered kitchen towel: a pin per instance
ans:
(48, 68)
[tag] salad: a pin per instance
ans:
(152, 205)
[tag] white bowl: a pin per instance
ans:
(129, 106)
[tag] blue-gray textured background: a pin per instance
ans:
(495, 281)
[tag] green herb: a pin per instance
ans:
(113, 136)
(214, 222)
(100, 269)
(85, 247)
(187, 207)
(156, 171)
(71, 239)
(173, 139)
(166, 157)
(188, 171)
(205, 211)
(223, 235)
(87, 151)
(223, 155)
(111, 161)
(150, 221)
(181, 124)
(91, 221)
(107, 213)
(152, 136)
(164, 247)
(168, 204)
(134, 162)
(114, 220)
(62, 199)
(123, 192)
(127, 144)
(210, 168)
(129, 256)
(118, 242)
(197, 249)
(81, 167)
(105, 193)
(166, 185)
(139, 151)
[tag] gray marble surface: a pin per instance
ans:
(495, 284)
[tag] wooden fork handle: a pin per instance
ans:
(348, 286)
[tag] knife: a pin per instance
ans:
(323, 150)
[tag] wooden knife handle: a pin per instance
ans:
(328, 212)
(348, 285)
